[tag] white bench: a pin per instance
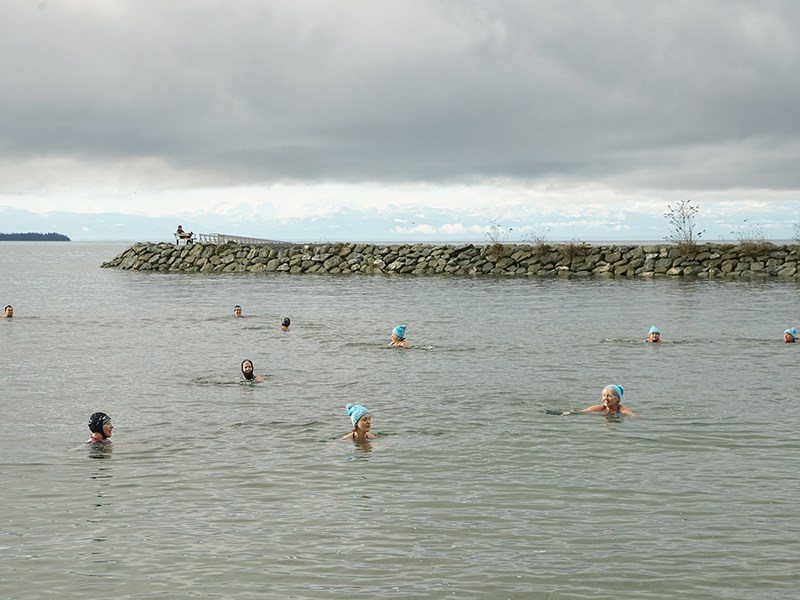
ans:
(186, 238)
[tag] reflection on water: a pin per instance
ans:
(100, 450)
(361, 449)
(100, 482)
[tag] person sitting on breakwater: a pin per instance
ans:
(612, 402)
(237, 311)
(9, 311)
(362, 423)
(101, 428)
(285, 323)
(399, 337)
(790, 335)
(247, 371)
(654, 335)
(183, 235)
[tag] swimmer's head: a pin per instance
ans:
(654, 329)
(400, 332)
(355, 412)
(9, 310)
(790, 335)
(286, 322)
(247, 369)
(100, 423)
(613, 392)
(237, 310)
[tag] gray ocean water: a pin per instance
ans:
(215, 489)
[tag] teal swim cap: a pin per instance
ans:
(355, 412)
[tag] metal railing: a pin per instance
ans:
(223, 238)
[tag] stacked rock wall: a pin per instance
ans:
(566, 260)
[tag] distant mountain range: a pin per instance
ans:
(392, 224)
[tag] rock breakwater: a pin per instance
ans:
(522, 260)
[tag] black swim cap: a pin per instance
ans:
(96, 422)
(286, 321)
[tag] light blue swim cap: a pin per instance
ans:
(618, 390)
(355, 412)
(792, 331)
(400, 331)
(654, 329)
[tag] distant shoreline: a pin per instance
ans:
(34, 237)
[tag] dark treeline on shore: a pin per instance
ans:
(33, 237)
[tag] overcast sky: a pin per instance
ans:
(537, 110)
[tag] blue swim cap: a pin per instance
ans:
(618, 390)
(792, 331)
(400, 331)
(654, 329)
(355, 412)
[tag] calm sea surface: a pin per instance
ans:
(215, 489)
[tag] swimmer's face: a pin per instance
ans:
(247, 367)
(107, 429)
(787, 337)
(237, 311)
(9, 311)
(655, 336)
(364, 423)
(610, 400)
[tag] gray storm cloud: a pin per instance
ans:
(700, 94)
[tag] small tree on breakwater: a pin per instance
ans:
(682, 225)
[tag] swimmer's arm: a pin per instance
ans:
(593, 409)
(258, 378)
(627, 411)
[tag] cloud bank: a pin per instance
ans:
(298, 109)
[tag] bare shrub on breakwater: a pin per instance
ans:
(539, 242)
(497, 236)
(682, 226)
(574, 248)
(751, 239)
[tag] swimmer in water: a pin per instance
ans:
(654, 335)
(362, 423)
(399, 337)
(790, 335)
(101, 428)
(9, 311)
(612, 402)
(237, 311)
(247, 371)
(285, 324)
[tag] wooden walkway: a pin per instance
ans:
(223, 238)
